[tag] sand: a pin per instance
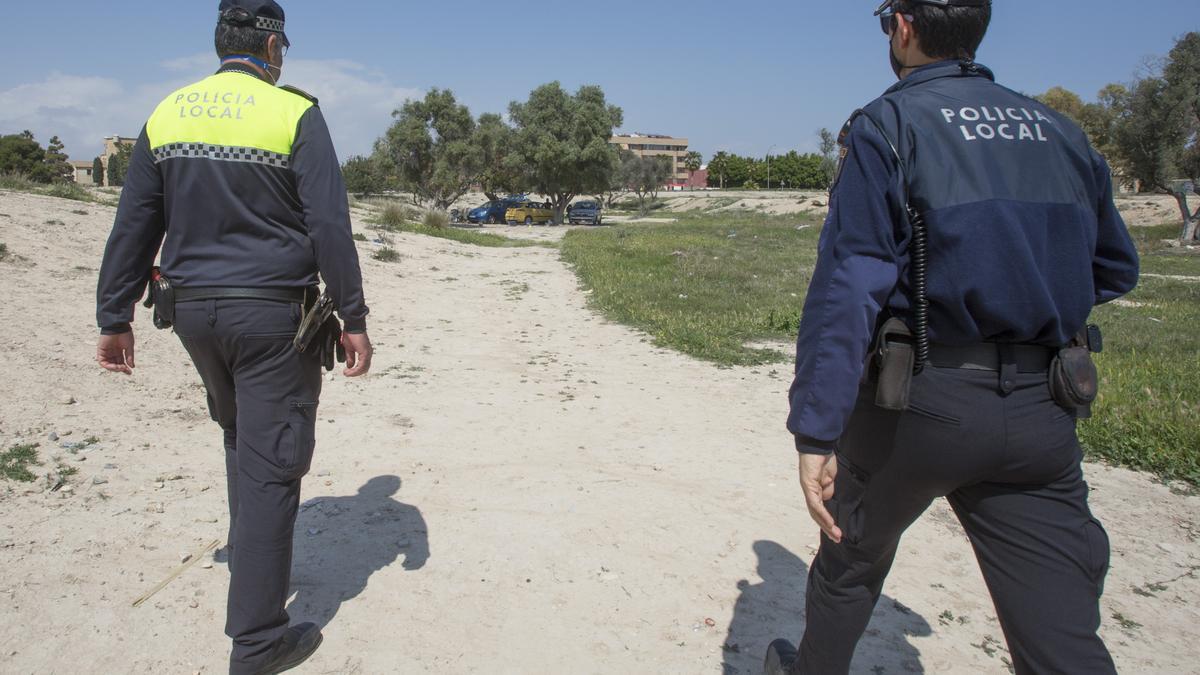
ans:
(519, 487)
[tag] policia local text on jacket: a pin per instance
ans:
(1023, 241)
(242, 178)
(238, 182)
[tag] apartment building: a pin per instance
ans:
(651, 145)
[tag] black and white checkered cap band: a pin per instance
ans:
(267, 23)
(221, 153)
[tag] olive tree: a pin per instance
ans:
(560, 143)
(431, 149)
(644, 176)
(364, 176)
(494, 139)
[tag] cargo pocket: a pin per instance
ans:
(1098, 553)
(301, 432)
(846, 506)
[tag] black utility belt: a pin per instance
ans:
(299, 296)
(992, 356)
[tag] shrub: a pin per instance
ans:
(19, 182)
(358, 236)
(436, 219)
(395, 215)
(16, 181)
(3, 251)
(387, 254)
(67, 191)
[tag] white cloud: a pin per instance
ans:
(357, 102)
(82, 110)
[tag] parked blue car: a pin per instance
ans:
(585, 213)
(492, 213)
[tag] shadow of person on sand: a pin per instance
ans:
(775, 608)
(341, 541)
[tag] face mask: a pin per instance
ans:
(897, 67)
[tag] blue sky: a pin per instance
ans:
(743, 77)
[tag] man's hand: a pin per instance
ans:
(817, 473)
(115, 353)
(358, 354)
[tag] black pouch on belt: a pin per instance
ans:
(160, 295)
(313, 323)
(331, 343)
(321, 331)
(894, 360)
(1074, 382)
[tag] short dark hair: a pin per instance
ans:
(240, 39)
(952, 32)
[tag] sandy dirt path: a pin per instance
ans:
(520, 487)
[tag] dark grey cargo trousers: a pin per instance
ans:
(264, 395)
(1010, 467)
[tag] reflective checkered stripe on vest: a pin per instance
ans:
(228, 117)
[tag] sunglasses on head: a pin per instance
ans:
(887, 17)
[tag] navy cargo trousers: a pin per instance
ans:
(264, 395)
(1009, 464)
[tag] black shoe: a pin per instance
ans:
(294, 648)
(781, 655)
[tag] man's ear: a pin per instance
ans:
(905, 29)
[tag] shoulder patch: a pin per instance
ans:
(843, 148)
(299, 92)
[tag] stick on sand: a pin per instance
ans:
(178, 570)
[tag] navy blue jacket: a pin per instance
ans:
(234, 217)
(1024, 238)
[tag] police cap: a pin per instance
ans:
(887, 4)
(261, 14)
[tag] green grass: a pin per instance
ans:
(15, 462)
(1148, 413)
(710, 283)
(704, 285)
(20, 183)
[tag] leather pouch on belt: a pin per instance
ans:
(312, 325)
(160, 295)
(330, 343)
(894, 359)
(1074, 381)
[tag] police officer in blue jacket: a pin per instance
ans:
(236, 181)
(1023, 240)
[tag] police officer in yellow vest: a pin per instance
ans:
(237, 181)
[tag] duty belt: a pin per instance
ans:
(992, 356)
(299, 296)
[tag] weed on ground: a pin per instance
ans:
(387, 254)
(15, 463)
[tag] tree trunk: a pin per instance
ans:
(560, 202)
(1191, 221)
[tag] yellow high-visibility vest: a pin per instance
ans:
(229, 116)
